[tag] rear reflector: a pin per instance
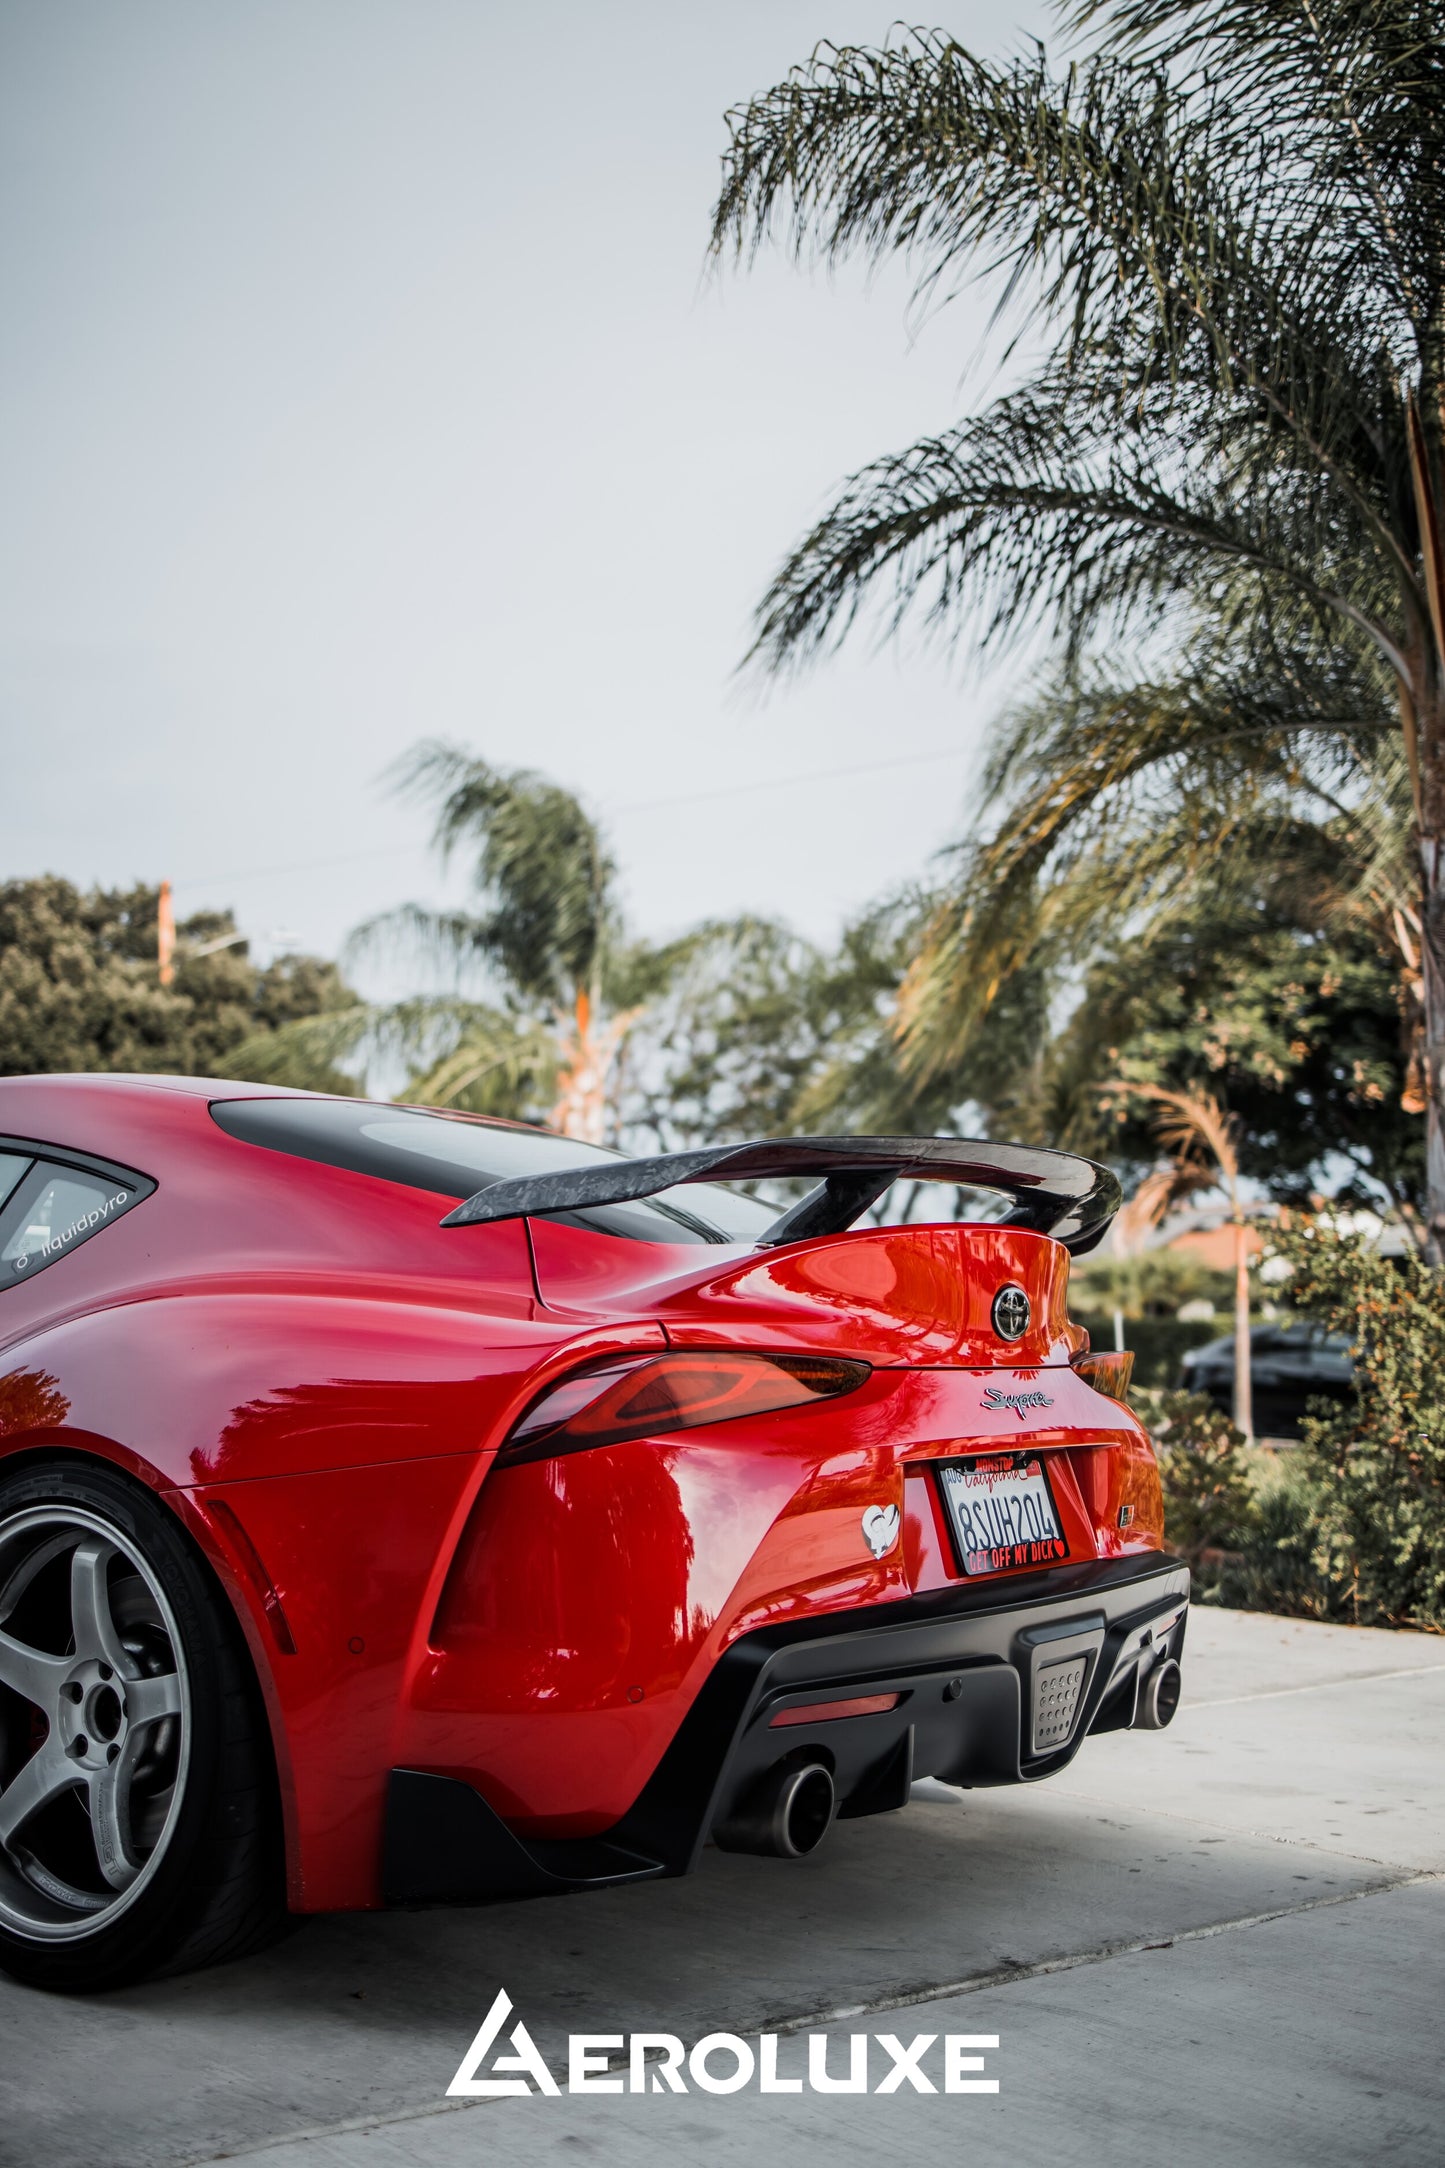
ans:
(1056, 1701)
(825, 1712)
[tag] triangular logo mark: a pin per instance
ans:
(524, 2060)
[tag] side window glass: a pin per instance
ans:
(51, 1211)
(12, 1166)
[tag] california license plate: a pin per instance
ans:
(1003, 1514)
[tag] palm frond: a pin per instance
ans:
(494, 1064)
(1356, 87)
(1114, 805)
(1224, 390)
(543, 874)
(1036, 512)
(310, 1053)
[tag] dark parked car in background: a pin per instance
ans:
(1291, 1365)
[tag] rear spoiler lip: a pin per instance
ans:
(1061, 1194)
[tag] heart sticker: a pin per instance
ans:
(880, 1529)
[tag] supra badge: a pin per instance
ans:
(880, 1529)
(1019, 1402)
(1011, 1312)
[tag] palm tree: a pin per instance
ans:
(1225, 226)
(547, 928)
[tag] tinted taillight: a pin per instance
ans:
(662, 1393)
(1108, 1373)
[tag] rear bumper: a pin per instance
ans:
(992, 1686)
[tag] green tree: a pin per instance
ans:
(80, 989)
(759, 1032)
(1295, 1024)
(1300, 1034)
(1225, 228)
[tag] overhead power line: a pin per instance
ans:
(640, 805)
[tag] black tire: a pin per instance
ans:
(166, 1752)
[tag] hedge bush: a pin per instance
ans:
(1380, 1463)
(1203, 1471)
(1351, 1524)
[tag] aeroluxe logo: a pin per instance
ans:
(718, 2063)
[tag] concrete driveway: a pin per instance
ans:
(1222, 1944)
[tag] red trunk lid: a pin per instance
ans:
(892, 1295)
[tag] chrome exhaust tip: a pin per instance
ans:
(1159, 1696)
(786, 1815)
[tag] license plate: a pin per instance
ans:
(1003, 1514)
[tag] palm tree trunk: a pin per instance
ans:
(587, 1071)
(1432, 971)
(581, 1110)
(1243, 1382)
(1423, 711)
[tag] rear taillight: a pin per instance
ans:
(1108, 1373)
(647, 1398)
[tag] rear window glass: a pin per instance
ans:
(454, 1156)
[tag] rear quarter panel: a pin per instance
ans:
(324, 1450)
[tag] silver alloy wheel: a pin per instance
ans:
(95, 1722)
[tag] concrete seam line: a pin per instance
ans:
(1316, 1686)
(1008, 1975)
(1257, 1836)
(1004, 1976)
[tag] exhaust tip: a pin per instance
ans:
(785, 1816)
(1159, 1696)
(805, 1810)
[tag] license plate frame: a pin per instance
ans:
(982, 1473)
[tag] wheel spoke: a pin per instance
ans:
(32, 1672)
(147, 1700)
(91, 1617)
(43, 1778)
(109, 1801)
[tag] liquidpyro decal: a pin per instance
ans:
(54, 1244)
(880, 1529)
(1019, 1402)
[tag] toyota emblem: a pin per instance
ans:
(1011, 1313)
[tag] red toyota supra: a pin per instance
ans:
(399, 1507)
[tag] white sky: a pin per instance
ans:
(362, 381)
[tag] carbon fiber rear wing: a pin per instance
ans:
(1054, 1193)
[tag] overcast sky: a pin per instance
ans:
(363, 381)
